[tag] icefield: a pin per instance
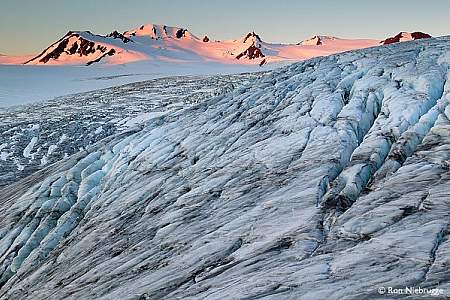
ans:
(30, 142)
(324, 179)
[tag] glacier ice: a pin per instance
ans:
(324, 179)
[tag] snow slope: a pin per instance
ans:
(14, 60)
(326, 179)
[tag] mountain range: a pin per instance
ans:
(151, 42)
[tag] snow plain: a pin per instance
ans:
(25, 84)
(326, 179)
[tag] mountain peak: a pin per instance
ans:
(405, 36)
(155, 31)
(317, 40)
(253, 37)
(251, 47)
(77, 46)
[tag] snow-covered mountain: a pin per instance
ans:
(87, 48)
(156, 32)
(405, 37)
(317, 40)
(325, 179)
(174, 44)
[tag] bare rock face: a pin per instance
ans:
(157, 32)
(78, 44)
(325, 179)
(180, 33)
(405, 36)
(314, 41)
(420, 35)
(253, 36)
(206, 39)
(253, 51)
(117, 35)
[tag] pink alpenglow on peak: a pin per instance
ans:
(317, 40)
(83, 47)
(250, 47)
(157, 32)
(405, 37)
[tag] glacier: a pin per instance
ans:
(29, 142)
(325, 179)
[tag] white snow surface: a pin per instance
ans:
(25, 84)
(326, 179)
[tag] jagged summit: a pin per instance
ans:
(250, 47)
(117, 35)
(405, 36)
(252, 37)
(157, 32)
(317, 40)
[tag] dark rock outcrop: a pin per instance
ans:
(414, 35)
(252, 52)
(81, 47)
(117, 35)
(252, 34)
(109, 53)
(180, 33)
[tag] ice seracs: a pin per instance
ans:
(76, 121)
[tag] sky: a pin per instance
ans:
(29, 26)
